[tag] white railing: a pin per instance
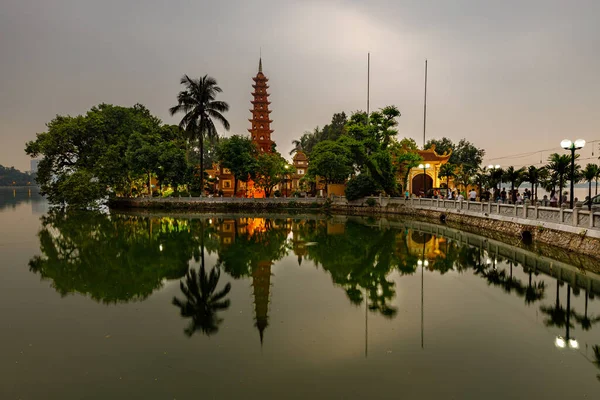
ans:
(578, 217)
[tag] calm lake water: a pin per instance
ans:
(127, 306)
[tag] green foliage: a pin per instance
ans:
(271, 170)
(371, 202)
(332, 131)
(238, 154)
(331, 161)
(405, 156)
(369, 139)
(112, 259)
(360, 186)
(14, 177)
(464, 153)
(95, 145)
(447, 171)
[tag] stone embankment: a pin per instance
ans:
(574, 230)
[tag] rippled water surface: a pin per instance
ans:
(125, 306)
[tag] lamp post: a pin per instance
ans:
(568, 145)
(285, 179)
(424, 167)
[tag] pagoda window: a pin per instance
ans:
(262, 137)
(261, 127)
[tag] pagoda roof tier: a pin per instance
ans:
(258, 130)
(260, 102)
(255, 94)
(261, 86)
(262, 111)
(261, 78)
(266, 121)
(432, 156)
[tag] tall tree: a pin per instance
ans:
(464, 153)
(533, 176)
(515, 177)
(238, 154)
(447, 171)
(272, 169)
(559, 165)
(589, 174)
(332, 161)
(197, 103)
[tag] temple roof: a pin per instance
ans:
(300, 156)
(432, 156)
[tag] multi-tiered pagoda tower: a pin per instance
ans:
(261, 122)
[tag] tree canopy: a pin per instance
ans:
(109, 151)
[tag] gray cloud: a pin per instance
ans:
(511, 76)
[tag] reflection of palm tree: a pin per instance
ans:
(202, 302)
(583, 320)
(535, 291)
(557, 315)
(597, 358)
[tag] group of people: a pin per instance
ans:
(498, 196)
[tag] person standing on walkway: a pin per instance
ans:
(472, 195)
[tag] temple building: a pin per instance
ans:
(430, 176)
(260, 133)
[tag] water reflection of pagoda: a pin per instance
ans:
(426, 245)
(256, 231)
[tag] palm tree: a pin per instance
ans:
(533, 176)
(559, 165)
(197, 103)
(202, 303)
(514, 176)
(447, 171)
(590, 173)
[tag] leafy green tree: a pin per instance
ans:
(93, 145)
(202, 301)
(332, 161)
(369, 139)
(142, 155)
(332, 131)
(271, 170)
(405, 156)
(515, 177)
(590, 173)
(360, 186)
(464, 153)
(238, 154)
(200, 108)
(172, 167)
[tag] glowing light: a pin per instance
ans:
(573, 344)
(160, 247)
(426, 263)
(488, 261)
(566, 144)
(579, 144)
(419, 263)
(560, 342)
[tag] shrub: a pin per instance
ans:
(360, 186)
(371, 202)
(277, 193)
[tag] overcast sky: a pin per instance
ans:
(510, 76)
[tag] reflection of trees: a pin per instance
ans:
(116, 258)
(596, 361)
(358, 260)
(249, 248)
(556, 315)
(584, 320)
(201, 302)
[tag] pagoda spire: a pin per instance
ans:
(260, 128)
